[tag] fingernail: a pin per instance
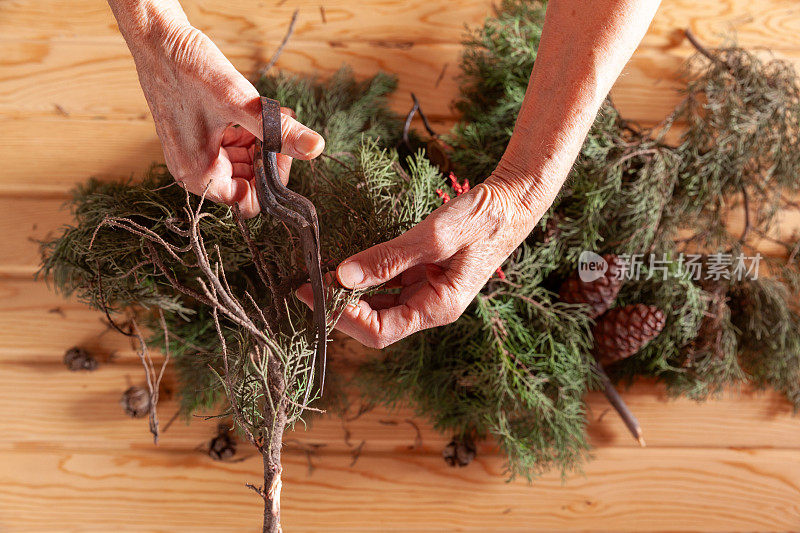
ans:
(350, 274)
(309, 143)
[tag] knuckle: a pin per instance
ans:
(290, 129)
(380, 344)
(231, 96)
(454, 306)
(375, 340)
(450, 316)
(440, 238)
(386, 262)
(182, 172)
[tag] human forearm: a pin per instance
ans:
(584, 46)
(441, 263)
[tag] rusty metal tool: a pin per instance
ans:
(297, 212)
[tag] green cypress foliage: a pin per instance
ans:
(517, 365)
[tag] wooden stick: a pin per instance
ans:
(285, 40)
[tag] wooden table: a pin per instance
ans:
(71, 108)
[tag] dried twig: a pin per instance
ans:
(619, 405)
(285, 40)
(699, 46)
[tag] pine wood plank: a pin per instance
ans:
(769, 23)
(624, 490)
(75, 151)
(49, 402)
(106, 149)
(236, 21)
(81, 411)
(86, 80)
(108, 476)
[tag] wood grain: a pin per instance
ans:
(81, 411)
(767, 23)
(76, 150)
(34, 376)
(46, 79)
(772, 24)
(242, 21)
(623, 490)
(71, 108)
(84, 80)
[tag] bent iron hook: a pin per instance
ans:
(297, 212)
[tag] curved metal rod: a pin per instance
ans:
(299, 213)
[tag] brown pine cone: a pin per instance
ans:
(136, 402)
(623, 331)
(79, 359)
(223, 446)
(459, 451)
(600, 293)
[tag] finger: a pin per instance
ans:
(284, 165)
(238, 154)
(297, 140)
(247, 201)
(243, 170)
(305, 293)
(382, 300)
(360, 320)
(386, 260)
(378, 328)
(218, 184)
(241, 164)
(239, 137)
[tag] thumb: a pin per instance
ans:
(297, 140)
(386, 260)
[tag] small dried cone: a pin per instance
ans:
(459, 451)
(136, 402)
(600, 293)
(223, 446)
(623, 331)
(77, 359)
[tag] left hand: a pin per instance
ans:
(440, 265)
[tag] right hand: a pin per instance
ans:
(197, 97)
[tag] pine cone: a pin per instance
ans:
(79, 359)
(136, 402)
(622, 332)
(459, 451)
(600, 293)
(223, 446)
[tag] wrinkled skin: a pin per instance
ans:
(440, 264)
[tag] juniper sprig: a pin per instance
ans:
(517, 364)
